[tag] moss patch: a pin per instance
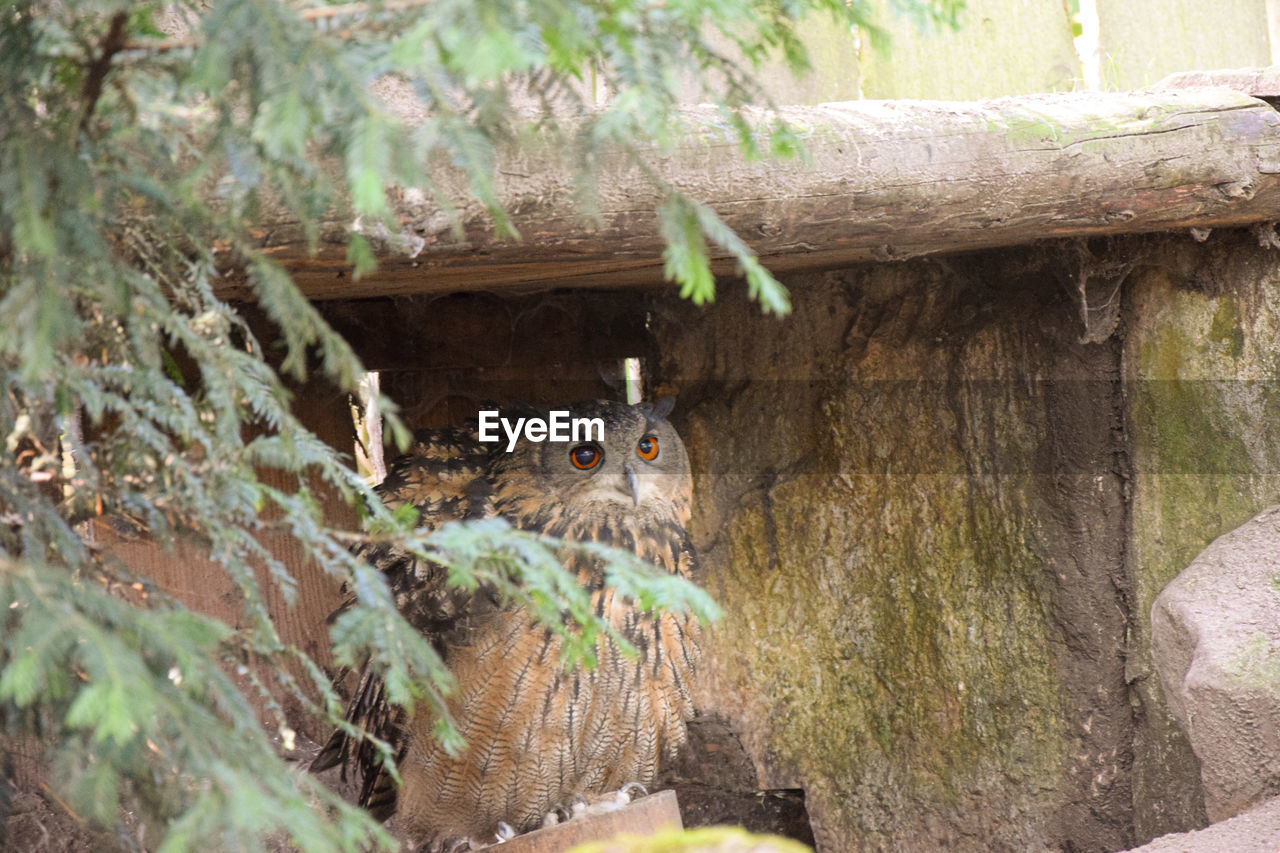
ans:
(931, 668)
(888, 611)
(1226, 328)
(937, 530)
(1204, 428)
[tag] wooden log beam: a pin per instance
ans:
(486, 332)
(885, 180)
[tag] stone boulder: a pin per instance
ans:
(1255, 831)
(1216, 644)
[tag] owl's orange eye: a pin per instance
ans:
(585, 456)
(647, 449)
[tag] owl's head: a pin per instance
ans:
(637, 469)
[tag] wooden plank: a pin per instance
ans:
(325, 411)
(1142, 41)
(483, 330)
(887, 180)
(1254, 82)
(833, 55)
(1003, 47)
(186, 572)
(437, 398)
(441, 358)
(642, 817)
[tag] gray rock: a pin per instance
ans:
(1216, 644)
(1255, 831)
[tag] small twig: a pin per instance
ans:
(59, 801)
(112, 43)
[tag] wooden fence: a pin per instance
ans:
(1016, 47)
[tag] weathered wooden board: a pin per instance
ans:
(188, 573)
(1002, 47)
(644, 816)
(1258, 82)
(484, 331)
(886, 180)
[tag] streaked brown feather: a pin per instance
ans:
(536, 734)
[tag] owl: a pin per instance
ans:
(537, 734)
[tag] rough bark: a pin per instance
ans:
(886, 180)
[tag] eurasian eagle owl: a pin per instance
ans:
(537, 734)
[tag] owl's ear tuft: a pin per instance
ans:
(661, 408)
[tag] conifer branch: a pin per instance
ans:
(96, 73)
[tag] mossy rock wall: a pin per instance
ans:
(1202, 359)
(936, 519)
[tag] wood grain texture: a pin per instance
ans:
(886, 180)
(642, 817)
(486, 332)
(185, 571)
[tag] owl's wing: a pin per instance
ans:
(444, 477)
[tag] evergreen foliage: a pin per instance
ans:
(132, 166)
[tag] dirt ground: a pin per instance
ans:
(716, 783)
(37, 824)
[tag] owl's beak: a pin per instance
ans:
(633, 483)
